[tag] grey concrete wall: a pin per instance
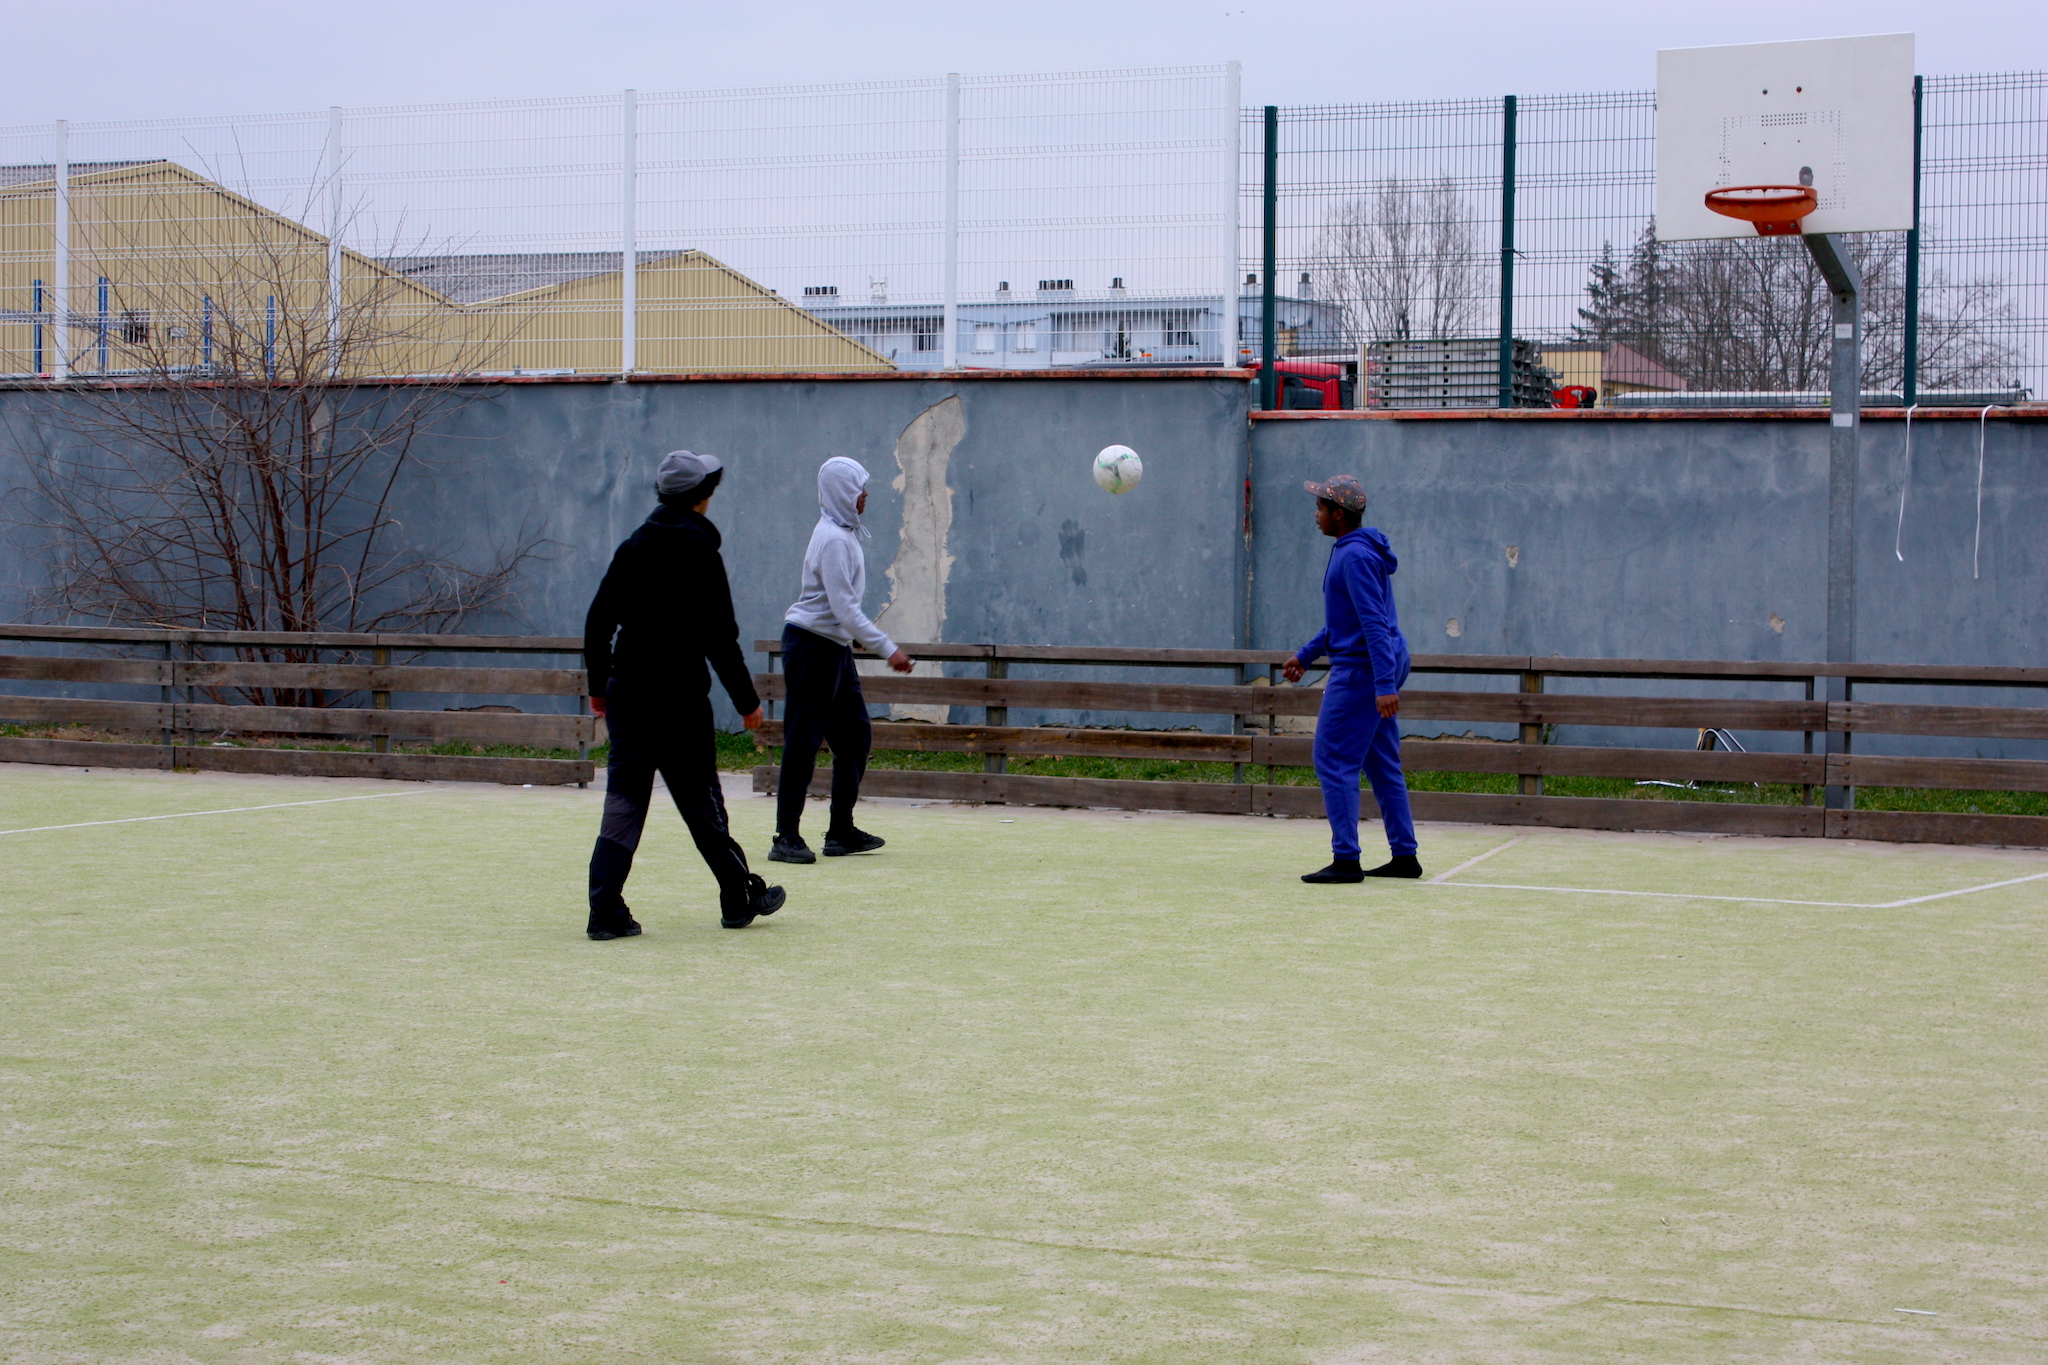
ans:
(1681, 538)
(981, 498)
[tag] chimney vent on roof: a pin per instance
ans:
(827, 292)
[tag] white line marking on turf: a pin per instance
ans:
(1661, 895)
(231, 810)
(1943, 895)
(1739, 900)
(1474, 862)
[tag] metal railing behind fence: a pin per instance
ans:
(1399, 220)
(1023, 221)
(1098, 218)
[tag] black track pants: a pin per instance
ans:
(825, 704)
(662, 733)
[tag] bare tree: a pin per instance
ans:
(1753, 315)
(1401, 262)
(231, 456)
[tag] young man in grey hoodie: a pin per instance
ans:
(825, 701)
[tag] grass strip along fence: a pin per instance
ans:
(322, 705)
(1826, 771)
(300, 704)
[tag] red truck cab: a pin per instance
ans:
(1311, 385)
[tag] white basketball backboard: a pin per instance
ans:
(1834, 113)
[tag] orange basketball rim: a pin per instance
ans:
(1775, 209)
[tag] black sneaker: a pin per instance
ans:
(1340, 870)
(851, 840)
(622, 925)
(792, 849)
(762, 900)
(1405, 865)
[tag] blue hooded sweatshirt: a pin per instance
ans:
(1361, 629)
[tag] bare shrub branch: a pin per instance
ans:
(235, 464)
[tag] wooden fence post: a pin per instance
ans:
(1273, 717)
(381, 701)
(583, 745)
(996, 715)
(1807, 789)
(1532, 733)
(1848, 742)
(164, 694)
(194, 651)
(1240, 672)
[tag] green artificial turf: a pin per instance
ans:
(345, 1082)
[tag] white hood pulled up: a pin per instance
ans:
(840, 483)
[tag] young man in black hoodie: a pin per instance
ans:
(666, 598)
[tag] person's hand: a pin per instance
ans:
(752, 720)
(901, 662)
(1389, 704)
(1292, 670)
(597, 707)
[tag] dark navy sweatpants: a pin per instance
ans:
(653, 731)
(824, 706)
(1351, 734)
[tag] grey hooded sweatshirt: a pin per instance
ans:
(835, 569)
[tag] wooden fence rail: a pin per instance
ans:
(192, 731)
(1256, 694)
(194, 703)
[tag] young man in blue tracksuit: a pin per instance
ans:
(1356, 728)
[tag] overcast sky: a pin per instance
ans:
(144, 58)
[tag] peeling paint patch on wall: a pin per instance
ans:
(918, 574)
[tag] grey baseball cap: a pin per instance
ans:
(682, 470)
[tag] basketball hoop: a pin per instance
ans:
(1775, 209)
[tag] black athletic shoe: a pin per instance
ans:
(1405, 865)
(850, 840)
(1340, 870)
(605, 930)
(762, 900)
(792, 849)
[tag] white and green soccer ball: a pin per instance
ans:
(1118, 469)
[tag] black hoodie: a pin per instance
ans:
(667, 597)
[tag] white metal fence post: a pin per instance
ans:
(952, 229)
(334, 239)
(629, 252)
(1233, 151)
(60, 332)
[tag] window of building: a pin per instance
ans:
(135, 327)
(931, 334)
(1024, 337)
(1177, 328)
(985, 338)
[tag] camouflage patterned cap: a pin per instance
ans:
(1341, 489)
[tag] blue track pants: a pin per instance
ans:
(1350, 735)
